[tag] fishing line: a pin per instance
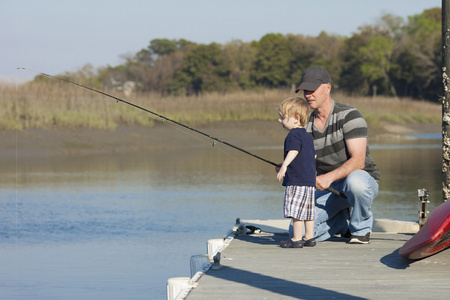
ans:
(164, 119)
(214, 145)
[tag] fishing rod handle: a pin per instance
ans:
(336, 192)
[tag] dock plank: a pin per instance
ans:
(255, 267)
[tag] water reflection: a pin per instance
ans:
(404, 169)
(403, 172)
(151, 211)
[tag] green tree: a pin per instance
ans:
(324, 50)
(399, 57)
(240, 57)
(112, 77)
(164, 69)
(352, 79)
(162, 46)
(328, 54)
(183, 45)
(424, 45)
(303, 55)
(377, 55)
(203, 70)
(166, 58)
(144, 56)
(272, 64)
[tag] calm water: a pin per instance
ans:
(118, 226)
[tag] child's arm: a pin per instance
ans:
(289, 158)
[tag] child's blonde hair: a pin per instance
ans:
(295, 106)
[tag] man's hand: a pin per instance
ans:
(357, 151)
(323, 182)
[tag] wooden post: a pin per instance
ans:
(446, 99)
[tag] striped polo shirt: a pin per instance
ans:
(344, 123)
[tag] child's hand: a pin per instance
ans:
(281, 173)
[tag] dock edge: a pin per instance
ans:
(178, 288)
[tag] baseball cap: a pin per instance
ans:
(313, 78)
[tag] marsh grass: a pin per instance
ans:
(51, 104)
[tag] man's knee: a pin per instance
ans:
(358, 183)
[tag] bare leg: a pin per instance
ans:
(309, 229)
(298, 230)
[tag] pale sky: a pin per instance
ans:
(57, 36)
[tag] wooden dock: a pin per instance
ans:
(253, 266)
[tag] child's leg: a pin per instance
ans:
(309, 229)
(298, 229)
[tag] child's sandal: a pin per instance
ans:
(309, 243)
(291, 244)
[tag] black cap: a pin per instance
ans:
(313, 78)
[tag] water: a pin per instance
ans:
(118, 226)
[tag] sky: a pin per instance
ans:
(58, 36)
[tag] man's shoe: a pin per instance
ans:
(347, 235)
(360, 239)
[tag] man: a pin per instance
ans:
(343, 163)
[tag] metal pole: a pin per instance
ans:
(445, 99)
(423, 206)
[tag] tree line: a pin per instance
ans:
(393, 57)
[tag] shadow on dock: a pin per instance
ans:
(395, 261)
(254, 266)
(277, 285)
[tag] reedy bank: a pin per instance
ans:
(58, 105)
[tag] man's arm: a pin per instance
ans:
(357, 150)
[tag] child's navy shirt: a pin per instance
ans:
(302, 170)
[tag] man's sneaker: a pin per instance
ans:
(347, 235)
(360, 239)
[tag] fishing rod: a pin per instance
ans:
(163, 118)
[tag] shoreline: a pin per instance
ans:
(34, 143)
